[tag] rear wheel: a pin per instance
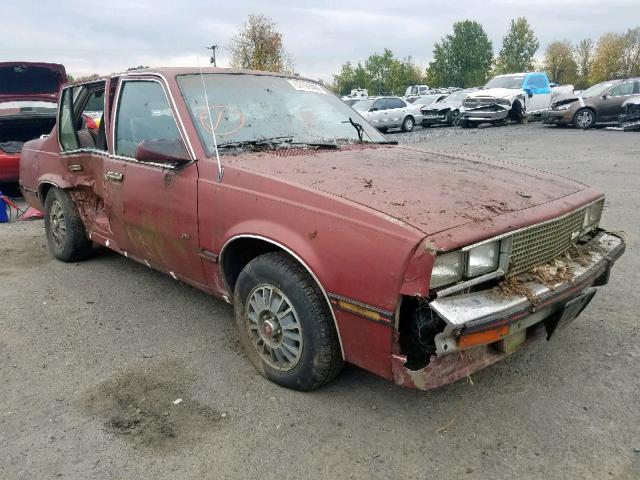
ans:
(285, 325)
(584, 118)
(407, 124)
(66, 235)
(467, 124)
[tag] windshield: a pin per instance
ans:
(255, 108)
(597, 89)
(505, 82)
(363, 105)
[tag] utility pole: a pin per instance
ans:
(213, 49)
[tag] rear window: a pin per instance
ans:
(26, 79)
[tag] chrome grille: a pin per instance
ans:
(479, 101)
(541, 243)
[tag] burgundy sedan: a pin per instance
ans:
(333, 244)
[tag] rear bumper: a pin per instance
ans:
(529, 316)
(9, 167)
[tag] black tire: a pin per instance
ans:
(408, 123)
(584, 118)
(320, 358)
(453, 118)
(66, 235)
(467, 124)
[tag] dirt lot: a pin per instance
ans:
(94, 354)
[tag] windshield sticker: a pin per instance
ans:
(306, 86)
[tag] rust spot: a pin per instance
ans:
(368, 183)
(167, 179)
(313, 235)
(430, 248)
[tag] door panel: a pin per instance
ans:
(152, 209)
(611, 106)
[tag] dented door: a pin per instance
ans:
(152, 206)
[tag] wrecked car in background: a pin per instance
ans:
(332, 244)
(600, 104)
(28, 106)
(630, 118)
(445, 111)
(513, 97)
(389, 112)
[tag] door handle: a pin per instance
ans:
(114, 176)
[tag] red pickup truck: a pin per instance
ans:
(333, 244)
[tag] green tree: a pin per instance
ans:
(462, 59)
(380, 74)
(631, 54)
(559, 62)
(259, 46)
(608, 58)
(584, 58)
(519, 47)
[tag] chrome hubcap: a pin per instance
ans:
(57, 223)
(274, 327)
(584, 119)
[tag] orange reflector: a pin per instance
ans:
(358, 310)
(484, 337)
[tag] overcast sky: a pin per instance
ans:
(108, 36)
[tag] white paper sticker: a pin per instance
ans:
(306, 86)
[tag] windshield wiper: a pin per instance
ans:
(359, 128)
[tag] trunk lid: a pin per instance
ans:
(31, 81)
(430, 191)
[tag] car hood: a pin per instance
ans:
(496, 93)
(430, 191)
(30, 81)
(442, 105)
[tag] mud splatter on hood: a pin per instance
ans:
(428, 190)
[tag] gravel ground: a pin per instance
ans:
(94, 354)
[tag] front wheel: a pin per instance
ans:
(407, 124)
(584, 118)
(453, 118)
(66, 235)
(285, 325)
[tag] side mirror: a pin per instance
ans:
(374, 109)
(165, 152)
(604, 96)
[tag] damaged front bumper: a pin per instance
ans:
(485, 113)
(519, 318)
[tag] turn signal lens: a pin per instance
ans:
(484, 337)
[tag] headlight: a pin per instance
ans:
(592, 214)
(564, 106)
(504, 101)
(483, 258)
(447, 269)
(453, 267)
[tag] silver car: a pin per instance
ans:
(389, 112)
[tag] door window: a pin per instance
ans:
(67, 134)
(379, 105)
(395, 103)
(81, 117)
(622, 89)
(143, 114)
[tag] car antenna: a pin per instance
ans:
(213, 133)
